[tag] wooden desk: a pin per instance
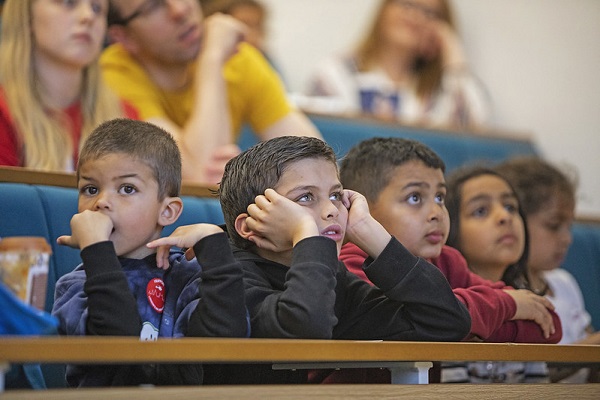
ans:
(103, 349)
(403, 358)
(316, 392)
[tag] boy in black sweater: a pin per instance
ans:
(288, 215)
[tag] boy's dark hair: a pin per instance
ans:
(516, 274)
(369, 166)
(537, 182)
(142, 141)
(259, 168)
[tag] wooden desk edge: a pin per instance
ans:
(125, 349)
(354, 391)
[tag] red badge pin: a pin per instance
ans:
(155, 291)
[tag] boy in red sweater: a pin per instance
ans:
(403, 182)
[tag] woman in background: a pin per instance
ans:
(51, 93)
(410, 66)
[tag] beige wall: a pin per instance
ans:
(540, 60)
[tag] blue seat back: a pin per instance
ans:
(454, 148)
(583, 262)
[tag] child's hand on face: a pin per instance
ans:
(183, 237)
(530, 306)
(362, 229)
(358, 213)
(87, 228)
(278, 222)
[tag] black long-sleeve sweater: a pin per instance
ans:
(316, 297)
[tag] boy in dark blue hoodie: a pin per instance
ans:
(130, 283)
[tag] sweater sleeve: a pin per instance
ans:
(490, 307)
(112, 308)
(488, 304)
(525, 331)
(221, 310)
(304, 306)
(417, 297)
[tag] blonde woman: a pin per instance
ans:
(51, 94)
(410, 66)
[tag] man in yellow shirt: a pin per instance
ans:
(196, 79)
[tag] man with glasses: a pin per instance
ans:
(196, 79)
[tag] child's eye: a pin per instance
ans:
(98, 8)
(414, 198)
(479, 212)
(440, 198)
(511, 208)
(127, 189)
(305, 197)
(337, 196)
(88, 190)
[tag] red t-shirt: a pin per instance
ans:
(11, 153)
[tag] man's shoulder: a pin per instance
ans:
(113, 53)
(116, 57)
(246, 52)
(248, 58)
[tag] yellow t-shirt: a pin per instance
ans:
(255, 92)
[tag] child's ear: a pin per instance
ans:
(241, 227)
(171, 210)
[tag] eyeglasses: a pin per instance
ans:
(146, 8)
(427, 12)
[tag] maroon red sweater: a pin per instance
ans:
(491, 309)
(489, 306)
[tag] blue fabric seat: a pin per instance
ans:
(46, 211)
(455, 148)
(583, 261)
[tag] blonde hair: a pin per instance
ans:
(43, 133)
(429, 73)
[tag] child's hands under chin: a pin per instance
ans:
(277, 223)
(183, 237)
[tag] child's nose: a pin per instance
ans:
(86, 11)
(436, 211)
(331, 210)
(504, 216)
(566, 236)
(102, 202)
